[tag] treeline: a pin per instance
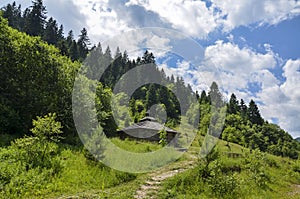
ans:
(34, 21)
(36, 80)
(110, 70)
(245, 126)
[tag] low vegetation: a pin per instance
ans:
(41, 155)
(253, 174)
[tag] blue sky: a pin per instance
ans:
(254, 44)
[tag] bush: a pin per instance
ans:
(30, 162)
(296, 166)
(255, 163)
(221, 185)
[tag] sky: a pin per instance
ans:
(254, 45)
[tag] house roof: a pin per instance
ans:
(147, 123)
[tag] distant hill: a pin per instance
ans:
(298, 139)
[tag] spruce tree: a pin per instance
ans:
(83, 44)
(51, 32)
(215, 96)
(233, 105)
(35, 19)
(254, 114)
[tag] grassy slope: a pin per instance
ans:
(283, 178)
(85, 179)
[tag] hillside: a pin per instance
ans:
(41, 155)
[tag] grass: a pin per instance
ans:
(136, 146)
(77, 176)
(83, 178)
(283, 174)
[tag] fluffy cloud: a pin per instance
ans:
(102, 21)
(245, 12)
(72, 20)
(191, 17)
(240, 66)
(105, 18)
(236, 68)
(198, 19)
(282, 101)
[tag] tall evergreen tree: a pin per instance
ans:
(151, 97)
(148, 58)
(83, 44)
(254, 114)
(215, 96)
(73, 52)
(51, 32)
(243, 109)
(233, 106)
(13, 14)
(35, 19)
(203, 98)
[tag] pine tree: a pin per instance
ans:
(13, 14)
(253, 114)
(148, 58)
(83, 44)
(70, 38)
(118, 53)
(215, 96)
(151, 97)
(243, 109)
(35, 19)
(73, 51)
(233, 106)
(203, 98)
(60, 33)
(51, 32)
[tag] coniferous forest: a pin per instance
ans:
(41, 155)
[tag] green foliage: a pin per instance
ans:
(204, 180)
(247, 128)
(37, 80)
(30, 162)
(10, 120)
(222, 185)
(163, 137)
(33, 22)
(37, 151)
(255, 163)
(46, 128)
(253, 175)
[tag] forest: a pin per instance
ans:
(42, 155)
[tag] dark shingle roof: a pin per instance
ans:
(148, 123)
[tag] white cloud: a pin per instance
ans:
(245, 12)
(106, 18)
(239, 66)
(102, 22)
(198, 20)
(234, 68)
(72, 20)
(191, 17)
(282, 101)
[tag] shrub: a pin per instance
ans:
(163, 137)
(255, 162)
(221, 185)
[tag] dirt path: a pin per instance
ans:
(295, 190)
(152, 184)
